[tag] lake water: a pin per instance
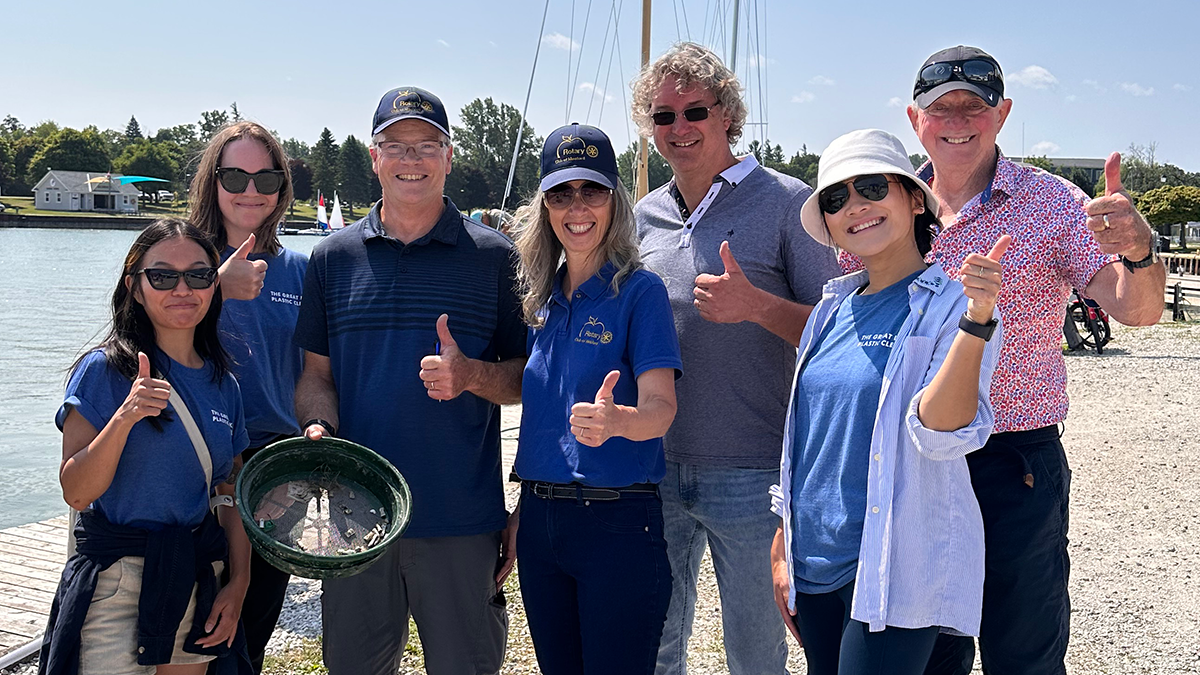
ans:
(55, 286)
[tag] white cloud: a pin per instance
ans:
(1095, 85)
(560, 41)
(823, 81)
(595, 91)
(756, 60)
(1044, 148)
(1135, 89)
(1181, 87)
(444, 43)
(1071, 98)
(1034, 77)
(895, 102)
(803, 97)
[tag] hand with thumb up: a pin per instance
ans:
(147, 396)
(1115, 224)
(447, 372)
(594, 423)
(242, 278)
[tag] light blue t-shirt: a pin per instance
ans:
(837, 396)
(159, 481)
(258, 336)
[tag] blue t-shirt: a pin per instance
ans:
(583, 340)
(258, 336)
(371, 305)
(837, 397)
(159, 481)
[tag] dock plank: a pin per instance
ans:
(31, 561)
(53, 538)
(11, 558)
(31, 573)
(26, 592)
(27, 582)
(20, 622)
(10, 641)
(52, 557)
(58, 548)
(23, 601)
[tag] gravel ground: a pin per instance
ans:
(1133, 437)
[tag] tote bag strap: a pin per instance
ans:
(202, 453)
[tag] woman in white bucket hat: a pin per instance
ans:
(880, 546)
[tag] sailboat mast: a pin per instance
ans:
(643, 175)
(733, 52)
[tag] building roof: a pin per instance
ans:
(79, 181)
(1069, 162)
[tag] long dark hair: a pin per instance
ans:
(130, 329)
(926, 225)
(202, 197)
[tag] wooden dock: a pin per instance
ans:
(31, 560)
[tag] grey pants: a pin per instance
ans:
(447, 584)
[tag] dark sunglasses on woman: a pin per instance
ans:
(592, 194)
(234, 180)
(166, 280)
(696, 114)
(872, 186)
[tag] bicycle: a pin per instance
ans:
(1086, 324)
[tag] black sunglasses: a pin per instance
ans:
(562, 196)
(971, 70)
(872, 186)
(267, 181)
(166, 280)
(696, 114)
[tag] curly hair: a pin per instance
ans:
(690, 64)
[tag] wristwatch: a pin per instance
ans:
(1149, 260)
(329, 430)
(982, 331)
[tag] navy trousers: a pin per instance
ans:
(1023, 484)
(595, 581)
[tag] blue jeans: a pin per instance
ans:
(1026, 611)
(729, 510)
(595, 582)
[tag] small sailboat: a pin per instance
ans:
(336, 222)
(322, 219)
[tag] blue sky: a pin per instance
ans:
(1084, 81)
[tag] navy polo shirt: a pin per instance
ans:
(598, 331)
(370, 304)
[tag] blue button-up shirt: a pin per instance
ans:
(921, 555)
(584, 338)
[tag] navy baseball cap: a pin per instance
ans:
(967, 68)
(578, 152)
(405, 103)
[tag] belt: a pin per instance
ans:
(578, 491)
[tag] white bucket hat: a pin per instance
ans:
(858, 153)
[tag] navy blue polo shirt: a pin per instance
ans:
(370, 304)
(631, 331)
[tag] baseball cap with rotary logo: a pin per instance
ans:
(578, 152)
(406, 103)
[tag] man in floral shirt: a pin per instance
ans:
(1060, 240)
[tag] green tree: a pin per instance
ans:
(24, 148)
(468, 188)
(802, 165)
(233, 112)
(69, 150)
(133, 130)
(302, 180)
(354, 173)
(7, 170)
(324, 163)
(485, 142)
(11, 128)
(918, 160)
(1171, 205)
(210, 122)
(658, 172)
(296, 149)
(1042, 163)
(150, 159)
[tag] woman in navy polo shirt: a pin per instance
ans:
(598, 394)
(142, 588)
(241, 192)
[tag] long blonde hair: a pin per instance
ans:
(541, 252)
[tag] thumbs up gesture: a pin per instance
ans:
(447, 372)
(594, 423)
(728, 298)
(241, 278)
(147, 396)
(1116, 226)
(981, 276)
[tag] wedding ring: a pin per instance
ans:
(1106, 223)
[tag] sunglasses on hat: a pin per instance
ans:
(978, 71)
(696, 114)
(234, 180)
(166, 280)
(872, 186)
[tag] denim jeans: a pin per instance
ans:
(728, 510)
(1026, 610)
(595, 582)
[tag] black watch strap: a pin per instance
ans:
(1132, 265)
(329, 428)
(982, 331)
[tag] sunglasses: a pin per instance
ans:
(970, 70)
(696, 114)
(873, 187)
(166, 280)
(267, 181)
(592, 194)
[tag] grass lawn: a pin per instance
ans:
(302, 211)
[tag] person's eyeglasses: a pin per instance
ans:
(267, 181)
(696, 114)
(166, 280)
(424, 149)
(873, 187)
(592, 194)
(971, 70)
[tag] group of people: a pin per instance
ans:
(850, 395)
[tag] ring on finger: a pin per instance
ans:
(1106, 223)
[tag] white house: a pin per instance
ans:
(85, 191)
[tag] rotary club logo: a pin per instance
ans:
(594, 333)
(574, 148)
